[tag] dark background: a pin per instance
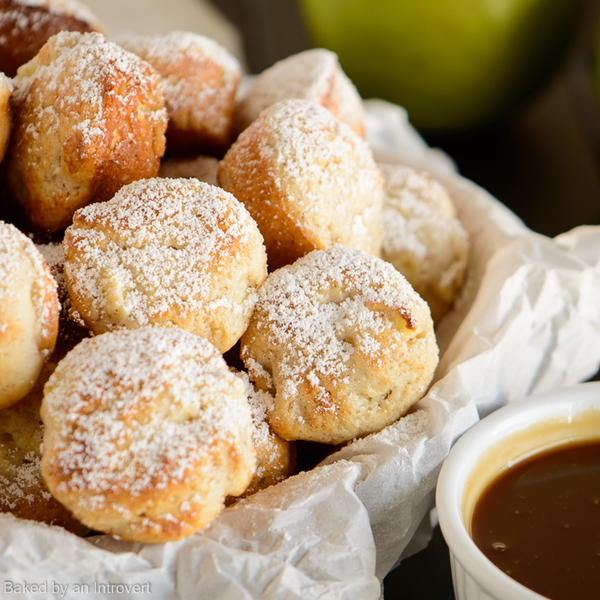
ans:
(543, 161)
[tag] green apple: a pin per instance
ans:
(453, 64)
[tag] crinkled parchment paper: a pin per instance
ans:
(528, 321)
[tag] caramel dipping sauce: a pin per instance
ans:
(532, 506)
(539, 521)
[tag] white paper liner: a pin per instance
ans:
(528, 321)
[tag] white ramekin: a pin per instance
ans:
(502, 434)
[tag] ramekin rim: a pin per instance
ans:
(463, 457)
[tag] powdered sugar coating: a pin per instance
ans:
(23, 486)
(95, 60)
(176, 252)
(261, 403)
(26, 25)
(296, 305)
(144, 414)
(72, 327)
(15, 247)
(28, 314)
(54, 256)
(107, 378)
(332, 321)
(273, 454)
(308, 180)
(423, 238)
(199, 81)
(68, 7)
(162, 46)
(17, 21)
(313, 75)
(89, 118)
(412, 199)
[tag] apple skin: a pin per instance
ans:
(454, 64)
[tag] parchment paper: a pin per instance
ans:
(528, 321)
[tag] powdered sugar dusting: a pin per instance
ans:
(273, 460)
(54, 255)
(6, 85)
(25, 484)
(261, 403)
(55, 259)
(413, 200)
(158, 248)
(322, 309)
(310, 75)
(135, 410)
(21, 487)
(63, 7)
(96, 61)
(304, 75)
(199, 77)
(423, 238)
(168, 45)
(324, 170)
(15, 248)
(25, 18)
(17, 23)
(258, 371)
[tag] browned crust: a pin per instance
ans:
(24, 29)
(331, 101)
(277, 462)
(156, 515)
(184, 136)
(200, 95)
(52, 306)
(146, 523)
(130, 147)
(338, 95)
(212, 323)
(246, 174)
(5, 116)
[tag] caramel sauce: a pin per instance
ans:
(539, 521)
